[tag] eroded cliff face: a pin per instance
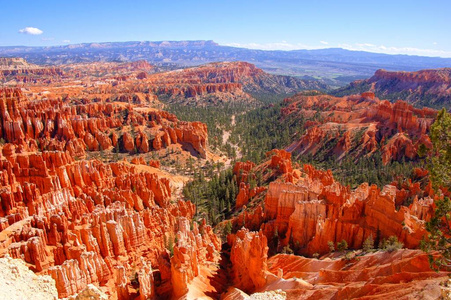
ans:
(19, 70)
(249, 256)
(304, 210)
(225, 82)
(399, 274)
(83, 221)
(307, 209)
(356, 126)
(88, 220)
(58, 125)
(430, 88)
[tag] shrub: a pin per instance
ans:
(349, 255)
(342, 246)
(331, 246)
(368, 244)
(391, 244)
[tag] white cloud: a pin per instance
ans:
(434, 43)
(324, 42)
(31, 30)
(66, 41)
(366, 45)
(395, 50)
(357, 47)
(284, 45)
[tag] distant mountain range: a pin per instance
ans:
(339, 66)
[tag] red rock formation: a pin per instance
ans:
(280, 160)
(20, 70)
(86, 221)
(249, 259)
(318, 209)
(191, 248)
(243, 195)
(154, 163)
(64, 129)
(359, 125)
(194, 133)
(146, 282)
(425, 87)
(223, 82)
(89, 218)
(80, 220)
(307, 210)
(399, 274)
(241, 170)
(121, 283)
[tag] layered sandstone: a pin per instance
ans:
(249, 259)
(431, 88)
(56, 125)
(225, 81)
(306, 209)
(389, 275)
(85, 221)
(355, 126)
(88, 216)
(190, 250)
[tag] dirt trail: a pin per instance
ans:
(225, 139)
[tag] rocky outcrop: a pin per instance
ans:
(19, 69)
(241, 170)
(87, 215)
(146, 281)
(83, 221)
(194, 133)
(356, 126)
(90, 292)
(63, 128)
(192, 91)
(249, 256)
(191, 248)
(224, 82)
(398, 274)
(304, 210)
(431, 88)
(315, 210)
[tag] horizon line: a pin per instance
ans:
(235, 45)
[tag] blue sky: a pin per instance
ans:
(397, 26)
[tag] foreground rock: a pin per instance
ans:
(90, 292)
(381, 275)
(17, 282)
(249, 256)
